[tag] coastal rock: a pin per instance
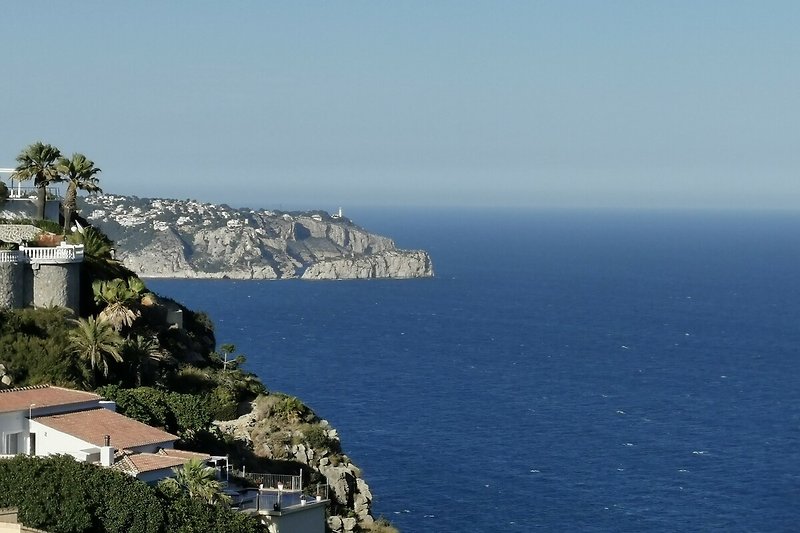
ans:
(388, 264)
(336, 524)
(161, 238)
(274, 434)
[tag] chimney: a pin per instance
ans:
(107, 452)
(108, 404)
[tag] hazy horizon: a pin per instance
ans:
(576, 105)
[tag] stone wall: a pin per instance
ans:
(18, 232)
(56, 285)
(26, 208)
(12, 279)
(40, 285)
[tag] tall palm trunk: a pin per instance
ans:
(70, 202)
(41, 201)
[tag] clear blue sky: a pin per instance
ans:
(446, 103)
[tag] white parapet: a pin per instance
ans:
(63, 253)
(11, 256)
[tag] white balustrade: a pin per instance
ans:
(11, 256)
(63, 253)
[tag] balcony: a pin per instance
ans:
(63, 253)
(31, 193)
(265, 500)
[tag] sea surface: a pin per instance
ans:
(564, 371)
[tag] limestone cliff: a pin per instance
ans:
(387, 264)
(281, 428)
(189, 239)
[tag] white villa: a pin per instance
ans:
(47, 420)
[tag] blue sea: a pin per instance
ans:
(564, 370)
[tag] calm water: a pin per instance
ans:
(563, 371)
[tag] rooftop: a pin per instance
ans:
(93, 425)
(41, 396)
(183, 454)
(139, 463)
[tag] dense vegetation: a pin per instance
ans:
(63, 496)
(152, 355)
(158, 361)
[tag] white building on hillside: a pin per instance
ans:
(47, 420)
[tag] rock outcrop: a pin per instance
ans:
(273, 431)
(388, 264)
(186, 239)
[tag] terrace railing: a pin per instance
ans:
(270, 481)
(17, 192)
(63, 253)
(11, 256)
(269, 499)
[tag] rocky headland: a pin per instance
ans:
(161, 238)
(277, 427)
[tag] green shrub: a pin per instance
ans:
(34, 348)
(289, 408)
(179, 413)
(191, 413)
(60, 495)
(316, 437)
(223, 403)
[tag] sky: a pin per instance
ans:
(503, 104)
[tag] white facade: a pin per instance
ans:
(51, 442)
(58, 425)
(13, 433)
(15, 427)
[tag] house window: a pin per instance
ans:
(11, 444)
(32, 444)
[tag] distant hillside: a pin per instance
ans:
(189, 239)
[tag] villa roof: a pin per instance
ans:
(184, 454)
(93, 425)
(21, 399)
(138, 463)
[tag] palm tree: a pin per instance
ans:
(95, 340)
(79, 173)
(145, 355)
(121, 300)
(39, 163)
(198, 480)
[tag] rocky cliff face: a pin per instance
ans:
(275, 433)
(387, 264)
(188, 239)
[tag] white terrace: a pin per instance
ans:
(54, 255)
(20, 192)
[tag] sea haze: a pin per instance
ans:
(564, 371)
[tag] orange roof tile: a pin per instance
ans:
(93, 425)
(41, 396)
(147, 462)
(184, 454)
